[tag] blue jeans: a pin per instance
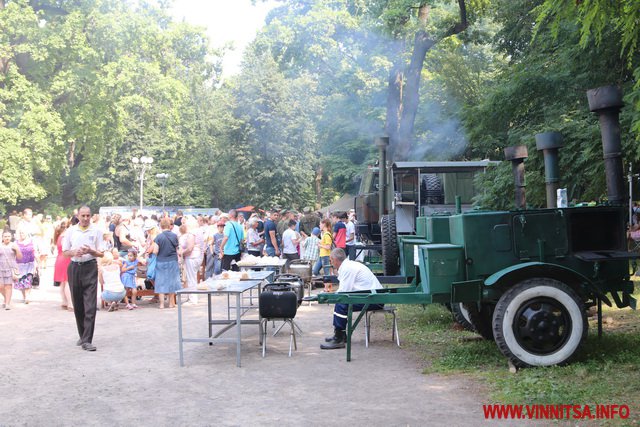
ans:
(270, 250)
(113, 296)
(213, 264)
(323, 261)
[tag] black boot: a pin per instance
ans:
(338, 341)
(336, 333)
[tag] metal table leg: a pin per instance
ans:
(179, 296)
(209, 314)
(239, 332)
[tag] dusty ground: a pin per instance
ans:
(135, 379)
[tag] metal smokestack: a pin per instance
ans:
(606, 101)
(548, 143)
(382, 143)
(516, 155)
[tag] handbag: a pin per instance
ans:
(151, 267)
(35, 281)
(242, 245)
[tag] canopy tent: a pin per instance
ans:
(343, 204)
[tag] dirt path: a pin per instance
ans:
(134, 377)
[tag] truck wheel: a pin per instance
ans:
(539, 322)
(481, 319)
(432, 190)
(390, 252)
(461, 315)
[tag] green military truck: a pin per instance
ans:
(391, 198)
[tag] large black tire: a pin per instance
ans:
(390, 253)
(540, 322)
(432, 190)
(461, 315)
(480, 318)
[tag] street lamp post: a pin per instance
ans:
(143, 163)
(162, 177)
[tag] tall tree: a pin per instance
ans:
(403, 96)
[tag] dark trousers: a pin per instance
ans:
(289, 258)
(83, 279)
(226, 262)
(340, 313)
(351, 252)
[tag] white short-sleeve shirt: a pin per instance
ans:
(76, 237)
(287, 241)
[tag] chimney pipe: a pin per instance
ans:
(606, 101)
(516, 155)
(382, 143)
(548, 143)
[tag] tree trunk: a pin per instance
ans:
(394, 106)
(403, 97)
(4, 62)
(422, 44)
(318, 186)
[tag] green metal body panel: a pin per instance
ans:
(440, 265)
(437, 230)
(584, 247)
(421, 227)
(487, 241)
(468, 291)
(408, 252)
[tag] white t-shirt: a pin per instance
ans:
(287, 240)
(354, 276)
(351, 233)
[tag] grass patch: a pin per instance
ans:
(605, 371)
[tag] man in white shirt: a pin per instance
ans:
(351, 239)
(352, 276)
(83, 244)
(290, 240)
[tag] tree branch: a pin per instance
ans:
(462, 24)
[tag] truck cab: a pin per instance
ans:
(414, 189)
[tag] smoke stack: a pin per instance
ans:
(548, 143)
(382, 143)
(516, 155)
(606, 101)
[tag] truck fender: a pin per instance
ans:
(516, 273)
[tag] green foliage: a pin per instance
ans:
(274, 148)
(543, 88)
(86, 85)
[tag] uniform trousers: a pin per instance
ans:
(340, 312)
(83, 279)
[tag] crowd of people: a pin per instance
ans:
(109, 258)
(165, 252)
